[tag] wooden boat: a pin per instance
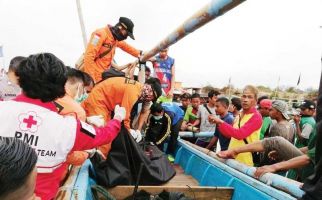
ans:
(78, 186)
(199, 176)
(180, 183)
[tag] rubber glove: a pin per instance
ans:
(96, 120)
(139, 136)
(136, 134)
(119, 113)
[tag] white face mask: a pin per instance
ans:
(80, 94)
(157, 117)
(81, 98)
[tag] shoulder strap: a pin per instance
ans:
(109, 48)
(59, 107)
(239, 119)
(205, 105)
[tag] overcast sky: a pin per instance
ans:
(254, 43)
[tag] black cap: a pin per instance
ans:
(128, 25)
(308, 104)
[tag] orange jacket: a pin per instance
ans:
(68, 106)
(101, 41)
(111, 92)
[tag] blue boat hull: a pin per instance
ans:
(211, 172)
(208, 172)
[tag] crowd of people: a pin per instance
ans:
(58, 116)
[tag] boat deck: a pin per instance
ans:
(181, 182)
(181, 178)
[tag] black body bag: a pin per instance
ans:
(123, 163)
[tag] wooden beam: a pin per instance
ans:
(194, 192)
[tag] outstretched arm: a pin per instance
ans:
(253, 124)
(212, 142)
(143, 117)
(88, 136)
(121, 67)
(293, 163)
(232, 153)
(129, 49)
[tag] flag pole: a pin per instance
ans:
(81, 21)
(209, 12)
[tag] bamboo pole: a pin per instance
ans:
(81, 21)
(209, 12)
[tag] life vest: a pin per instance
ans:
(44, 130)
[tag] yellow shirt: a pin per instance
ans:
(248, 127)
(247, 157)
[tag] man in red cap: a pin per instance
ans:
(263, 107)
(101, 47)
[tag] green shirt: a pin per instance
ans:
(191, 115)
(308, 170)
(267, 121)
(304, 142)
(164, 99)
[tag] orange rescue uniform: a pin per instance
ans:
(102, 41)
(111, 92)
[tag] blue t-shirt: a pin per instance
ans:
(224, 142)
(174, 111)
(163, 71)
